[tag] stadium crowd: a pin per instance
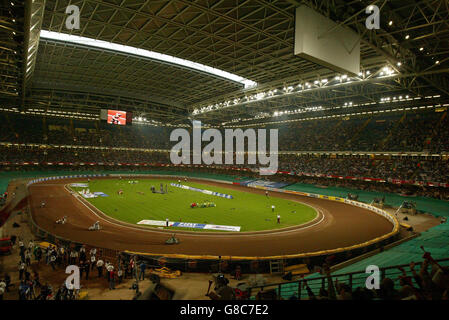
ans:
(402, 169)
(395, 168)
(427, 280)
(413, 132)
(76, 145)
(341, 172)
(91, 263)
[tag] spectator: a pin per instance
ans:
(100, 264)
(143, 267)
(22, 268)
(111, 276)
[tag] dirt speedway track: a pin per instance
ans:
(337, 225)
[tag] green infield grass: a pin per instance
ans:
(252, 212)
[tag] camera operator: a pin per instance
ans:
(222, 290)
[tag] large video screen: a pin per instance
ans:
(117, 117)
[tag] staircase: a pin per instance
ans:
(390, 134)
(437, 126)
(44, 129)
(357, 133)
(10, 126)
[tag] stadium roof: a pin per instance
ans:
(250, 39)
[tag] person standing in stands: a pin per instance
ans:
(93, 251)
(47, 255)
(100, 264)
(83, 253)
(13, 239)
(120, 275)
(93, 257)
(143, 267)
(22, 250)
(92, 261)
(109, 267)
(7, 279)
(31, 245)
(111, 276)
(72, 257)
(36, 280)
(28, 257)
(53, 261)
(81, 269)
(23, 290)
(22, 267)
(38, 254)
(134, 267)
(87, 269)
(129, 271)
(60, 258)
(75, 257)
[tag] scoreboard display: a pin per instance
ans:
(116, 117)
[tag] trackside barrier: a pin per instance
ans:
(211, 263)
(37, 180)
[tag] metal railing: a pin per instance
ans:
(285, 290)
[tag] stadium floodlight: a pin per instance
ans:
(57, 36)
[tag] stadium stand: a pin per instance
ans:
(433, 240)
(362, 124)
(414, 132)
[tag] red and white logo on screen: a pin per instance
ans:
(117, 117)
